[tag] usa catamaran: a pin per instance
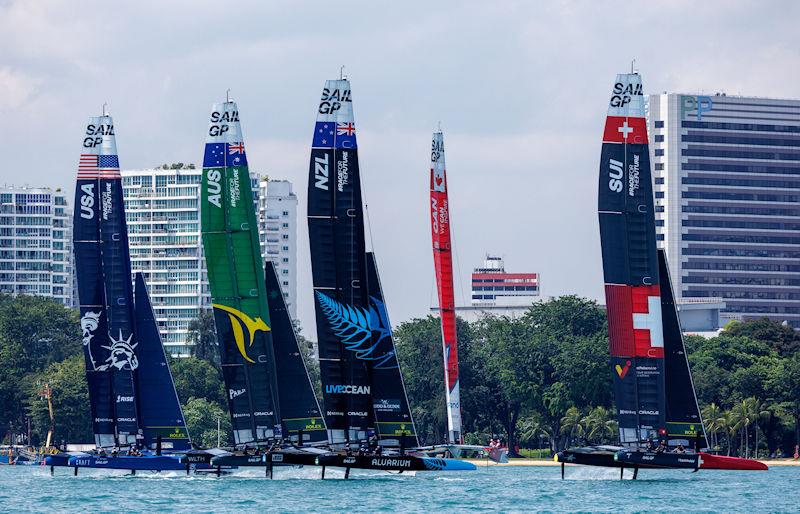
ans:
(659, 420)
(136, 416)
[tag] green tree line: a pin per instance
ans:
(541, 380)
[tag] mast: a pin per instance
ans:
(236, 278)
(300, 412)
(630, 266)
(336, 236)
(102, 266)
(443, 262)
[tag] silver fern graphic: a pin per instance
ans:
(360, 330)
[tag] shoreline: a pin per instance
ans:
(551, 463)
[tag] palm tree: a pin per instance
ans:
(533, 429)
(714, 419)
(757, 410)
(731, 428)
(572, 425)
(599, 425)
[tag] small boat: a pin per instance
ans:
(653, 389)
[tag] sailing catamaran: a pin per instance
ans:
(135, 409)
(364, 396)
(659, 419)
(270, 396)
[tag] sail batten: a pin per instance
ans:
(443, 263)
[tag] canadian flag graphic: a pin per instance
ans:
(634, 321)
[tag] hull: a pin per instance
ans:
(590, 456)
(394, 463)
(273, 458)
(665, 460)
(709, 461)
(144, 463)
(62, 459)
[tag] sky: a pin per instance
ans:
(520, 89)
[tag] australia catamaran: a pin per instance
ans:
(659, 420)
(273, 408)
(365, 400)
(136, 416)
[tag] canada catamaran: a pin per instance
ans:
(659, 420)
(364, 396)
(135, 410)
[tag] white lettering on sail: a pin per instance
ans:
(321, 172)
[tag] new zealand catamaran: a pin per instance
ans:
(364, 396)
(659, 420)
(135, 410)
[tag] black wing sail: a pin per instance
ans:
(300, 411)
(684, 423)
(160, 410)
(336, 237)
(393, 423)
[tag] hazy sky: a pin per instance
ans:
(520, 89)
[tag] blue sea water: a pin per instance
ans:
(507, 489)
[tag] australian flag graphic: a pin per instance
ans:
(224, 154)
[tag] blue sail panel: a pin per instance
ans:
(160, 411)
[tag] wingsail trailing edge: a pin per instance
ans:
(659, 420)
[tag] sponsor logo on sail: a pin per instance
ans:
(127, 420)
(233, 187)
(95, 134)
(633, 176)
(649, 412)
(233, 393)
(623, 93)
(357, 413)
(240, 321)
(342, 174)
(615, 175)
(107, 201)
(384, 405)
(623, 370)
(332, 100)
(87, 201)
(346, 389)
(219, 122)
(121, 398)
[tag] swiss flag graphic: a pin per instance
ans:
(634, 321)
(622, 129)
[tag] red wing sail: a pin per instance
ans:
(443, 261)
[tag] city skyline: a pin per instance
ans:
(522, 113)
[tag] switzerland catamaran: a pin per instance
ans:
(659, 420)
(136, 416)
(274, 412)
(364, 396)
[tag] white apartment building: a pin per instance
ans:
(36, 243)
(162, 208)
(277, 228)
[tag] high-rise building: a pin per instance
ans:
(727, 190)
(162, 207)
(36, 243)
(277, 219)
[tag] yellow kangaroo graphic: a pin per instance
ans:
(239, 318)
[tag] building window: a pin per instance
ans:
(659, 180)
(659, 166)
(659, 194)
(659, 124)
(659, 138)
(285, 213)
(659, 152)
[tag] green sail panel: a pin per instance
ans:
(236, 278)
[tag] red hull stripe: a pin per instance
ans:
(621, 129)
(710, 461)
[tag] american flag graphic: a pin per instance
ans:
(96, 166)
